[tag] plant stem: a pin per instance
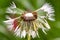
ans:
(29, 38)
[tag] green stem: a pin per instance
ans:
(29, 37)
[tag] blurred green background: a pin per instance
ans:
(52, 34)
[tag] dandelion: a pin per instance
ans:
(28, 23)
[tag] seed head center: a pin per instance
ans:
(28, 15)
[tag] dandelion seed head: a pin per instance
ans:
(29, 22)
